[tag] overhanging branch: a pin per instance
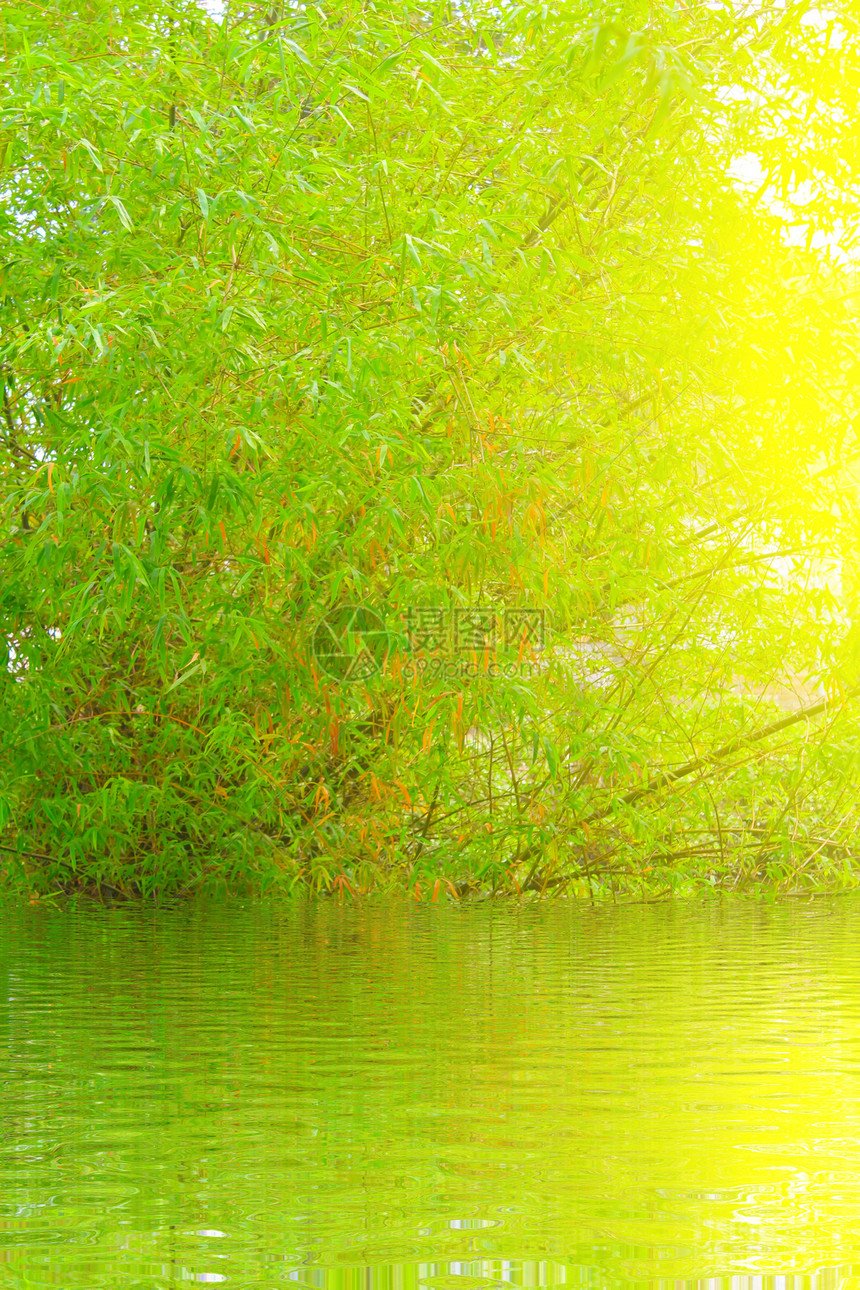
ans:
(698, 763)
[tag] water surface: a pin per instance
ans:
(402, 1096)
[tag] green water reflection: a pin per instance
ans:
(389, 1097)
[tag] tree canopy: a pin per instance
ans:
(427, 440)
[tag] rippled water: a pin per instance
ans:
(402, 1097)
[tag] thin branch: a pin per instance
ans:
(690, 767)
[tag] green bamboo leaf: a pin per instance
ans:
(297, 50)
(353, 89)
(427, 57)
(246, 121)
(94, 157)
(388, 62)
(186, 675)
(119, 207)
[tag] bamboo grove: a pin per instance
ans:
(427, 446)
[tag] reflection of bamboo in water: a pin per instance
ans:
(529, 1273)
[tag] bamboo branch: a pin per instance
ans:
(690, 767)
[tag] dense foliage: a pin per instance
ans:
(530, 332)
